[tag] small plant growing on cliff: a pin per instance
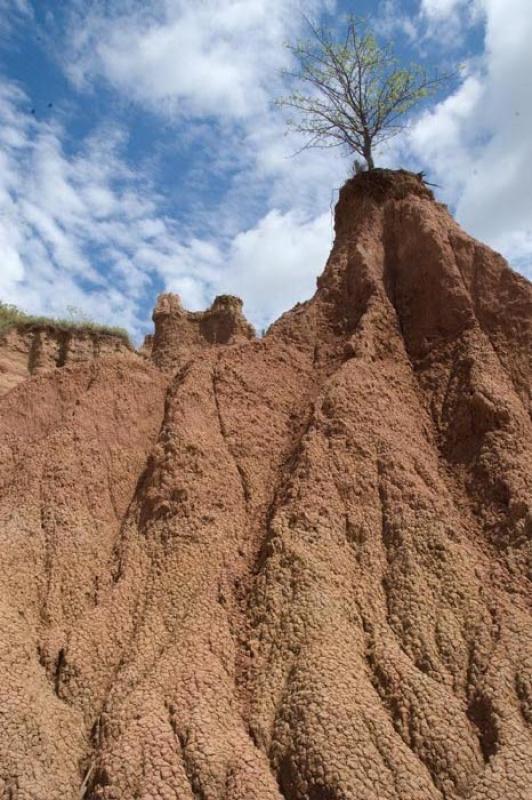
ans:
(359, 94)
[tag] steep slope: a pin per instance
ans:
(293, 567)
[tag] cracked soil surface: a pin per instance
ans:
(295, 567)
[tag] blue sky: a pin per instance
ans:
(140, 152)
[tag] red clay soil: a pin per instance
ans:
(293, 567)
(31, 349)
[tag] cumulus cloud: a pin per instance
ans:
(220, 63)
(441, 9)
(444, 139)
(391, 19)
(83, 229)
(449, 19)
(209, 58)
(271, 265)
(478, 142)
(275, 264)
(214, 62)
(70, 225)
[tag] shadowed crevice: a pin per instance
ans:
(246, 492)
(481, 714)
(287, 780)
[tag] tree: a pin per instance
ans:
(359, 92)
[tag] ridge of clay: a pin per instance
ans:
(291, 567)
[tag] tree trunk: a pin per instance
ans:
(368, 156)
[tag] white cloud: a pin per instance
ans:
(61, 216)
(478, 142)
(209, 58)
(271, 266)
(220, 62)
(90, 225)
(441, 9)
(217, 62)
(451, 12)
(443, 138)
(446, 23)
(391, 19)
(275, 264)
(77, 230)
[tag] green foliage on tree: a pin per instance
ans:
(358, 92)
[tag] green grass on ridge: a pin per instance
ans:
(13, 317)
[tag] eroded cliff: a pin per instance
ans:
(288, 567)
(27, 349)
